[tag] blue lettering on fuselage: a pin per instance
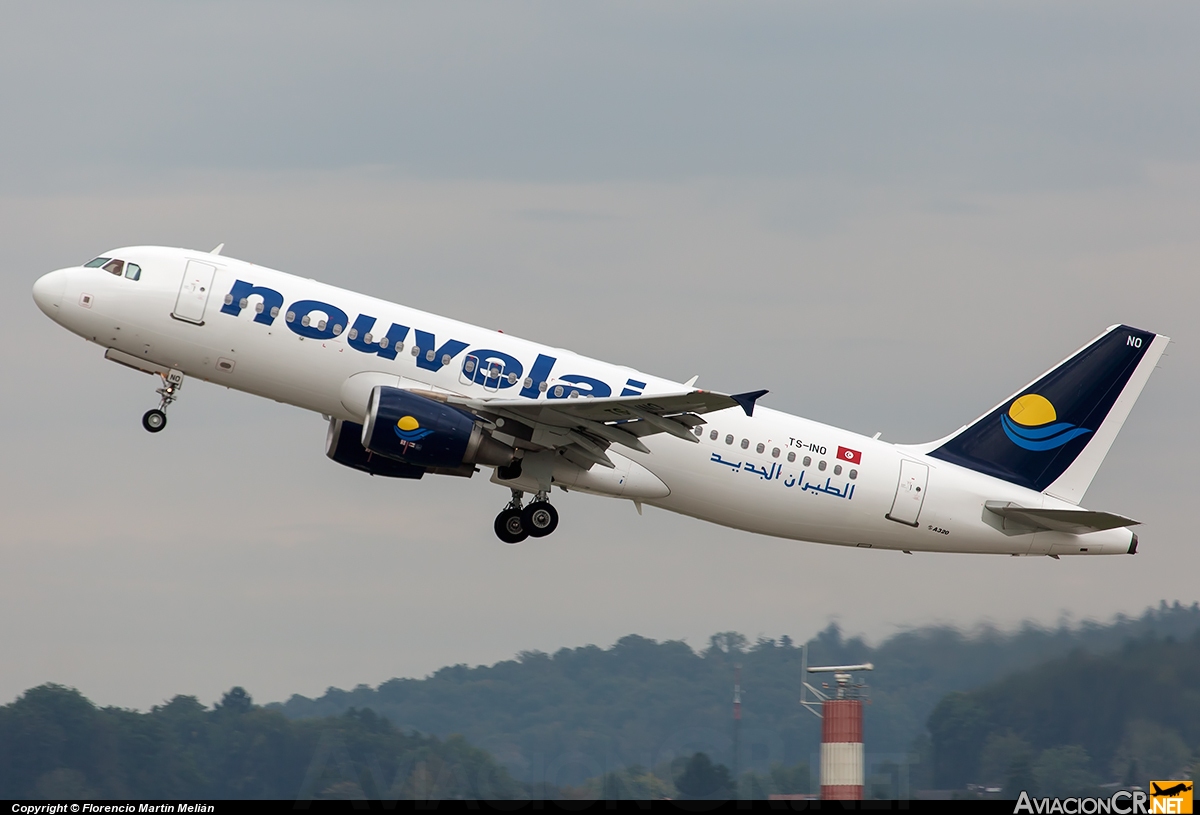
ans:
(539, 373)
(299, 319)
(387, 346)
(431, 358)
(239, 297)
(496, 369)
(580, 385)
(493, 369)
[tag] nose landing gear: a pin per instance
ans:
(155, 420)
(537, 520)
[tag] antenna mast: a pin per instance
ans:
(737, 725)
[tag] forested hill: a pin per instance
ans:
(54, 743)
(581, 711)
(1071, 724)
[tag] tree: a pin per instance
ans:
(1064, 771)
(701, 779)
(727, 642)
(1149, 750)
(793, 780)
(236, 701)
(1006, 761)
(958, 726)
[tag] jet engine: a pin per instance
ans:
(343, 444)
(419, 431)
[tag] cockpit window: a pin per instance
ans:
(116, 267)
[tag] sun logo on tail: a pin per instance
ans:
(1032, 424)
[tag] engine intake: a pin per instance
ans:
(419, 431)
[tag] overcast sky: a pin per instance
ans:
(890, 215)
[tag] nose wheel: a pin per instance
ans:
(537, 520)
(155, 420)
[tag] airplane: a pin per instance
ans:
(408, 394)
(1169, 792)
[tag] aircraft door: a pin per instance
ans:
(467, 374)
(910, 492)
(193, 292)
(482, 371)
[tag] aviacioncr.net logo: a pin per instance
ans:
(1171, 797)
(1122, 802)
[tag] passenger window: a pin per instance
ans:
(713, 435)
(853, 474)
(699, 431)
(808, 461)
(96, 264)
(134, 272)
(761, 447)
(837, 469)
(114, 267)
(791, 456)
(775, 453)
(745, 444)
(729, 439)
(821, 466)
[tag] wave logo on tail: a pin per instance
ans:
(1031, 424)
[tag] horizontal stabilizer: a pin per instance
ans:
(1071, 521)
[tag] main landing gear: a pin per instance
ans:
(538, 519)
(155, 420)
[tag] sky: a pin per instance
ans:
(890, 215)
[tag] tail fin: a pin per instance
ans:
(1053, 434)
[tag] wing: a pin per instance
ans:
(587, 426)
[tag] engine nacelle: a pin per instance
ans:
(419, 431)
(343, 444)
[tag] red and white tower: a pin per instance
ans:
(841, 712)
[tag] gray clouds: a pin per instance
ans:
(998, 96)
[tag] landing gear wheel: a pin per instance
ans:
(539, 519)
(154, 420)
(509, 526)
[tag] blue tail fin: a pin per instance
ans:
(1052, 435)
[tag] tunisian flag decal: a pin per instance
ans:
(851, 456)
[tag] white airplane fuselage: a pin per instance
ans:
(770, 473)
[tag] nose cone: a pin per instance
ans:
(48, 292)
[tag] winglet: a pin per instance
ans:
(747, 400)
(217, 251)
